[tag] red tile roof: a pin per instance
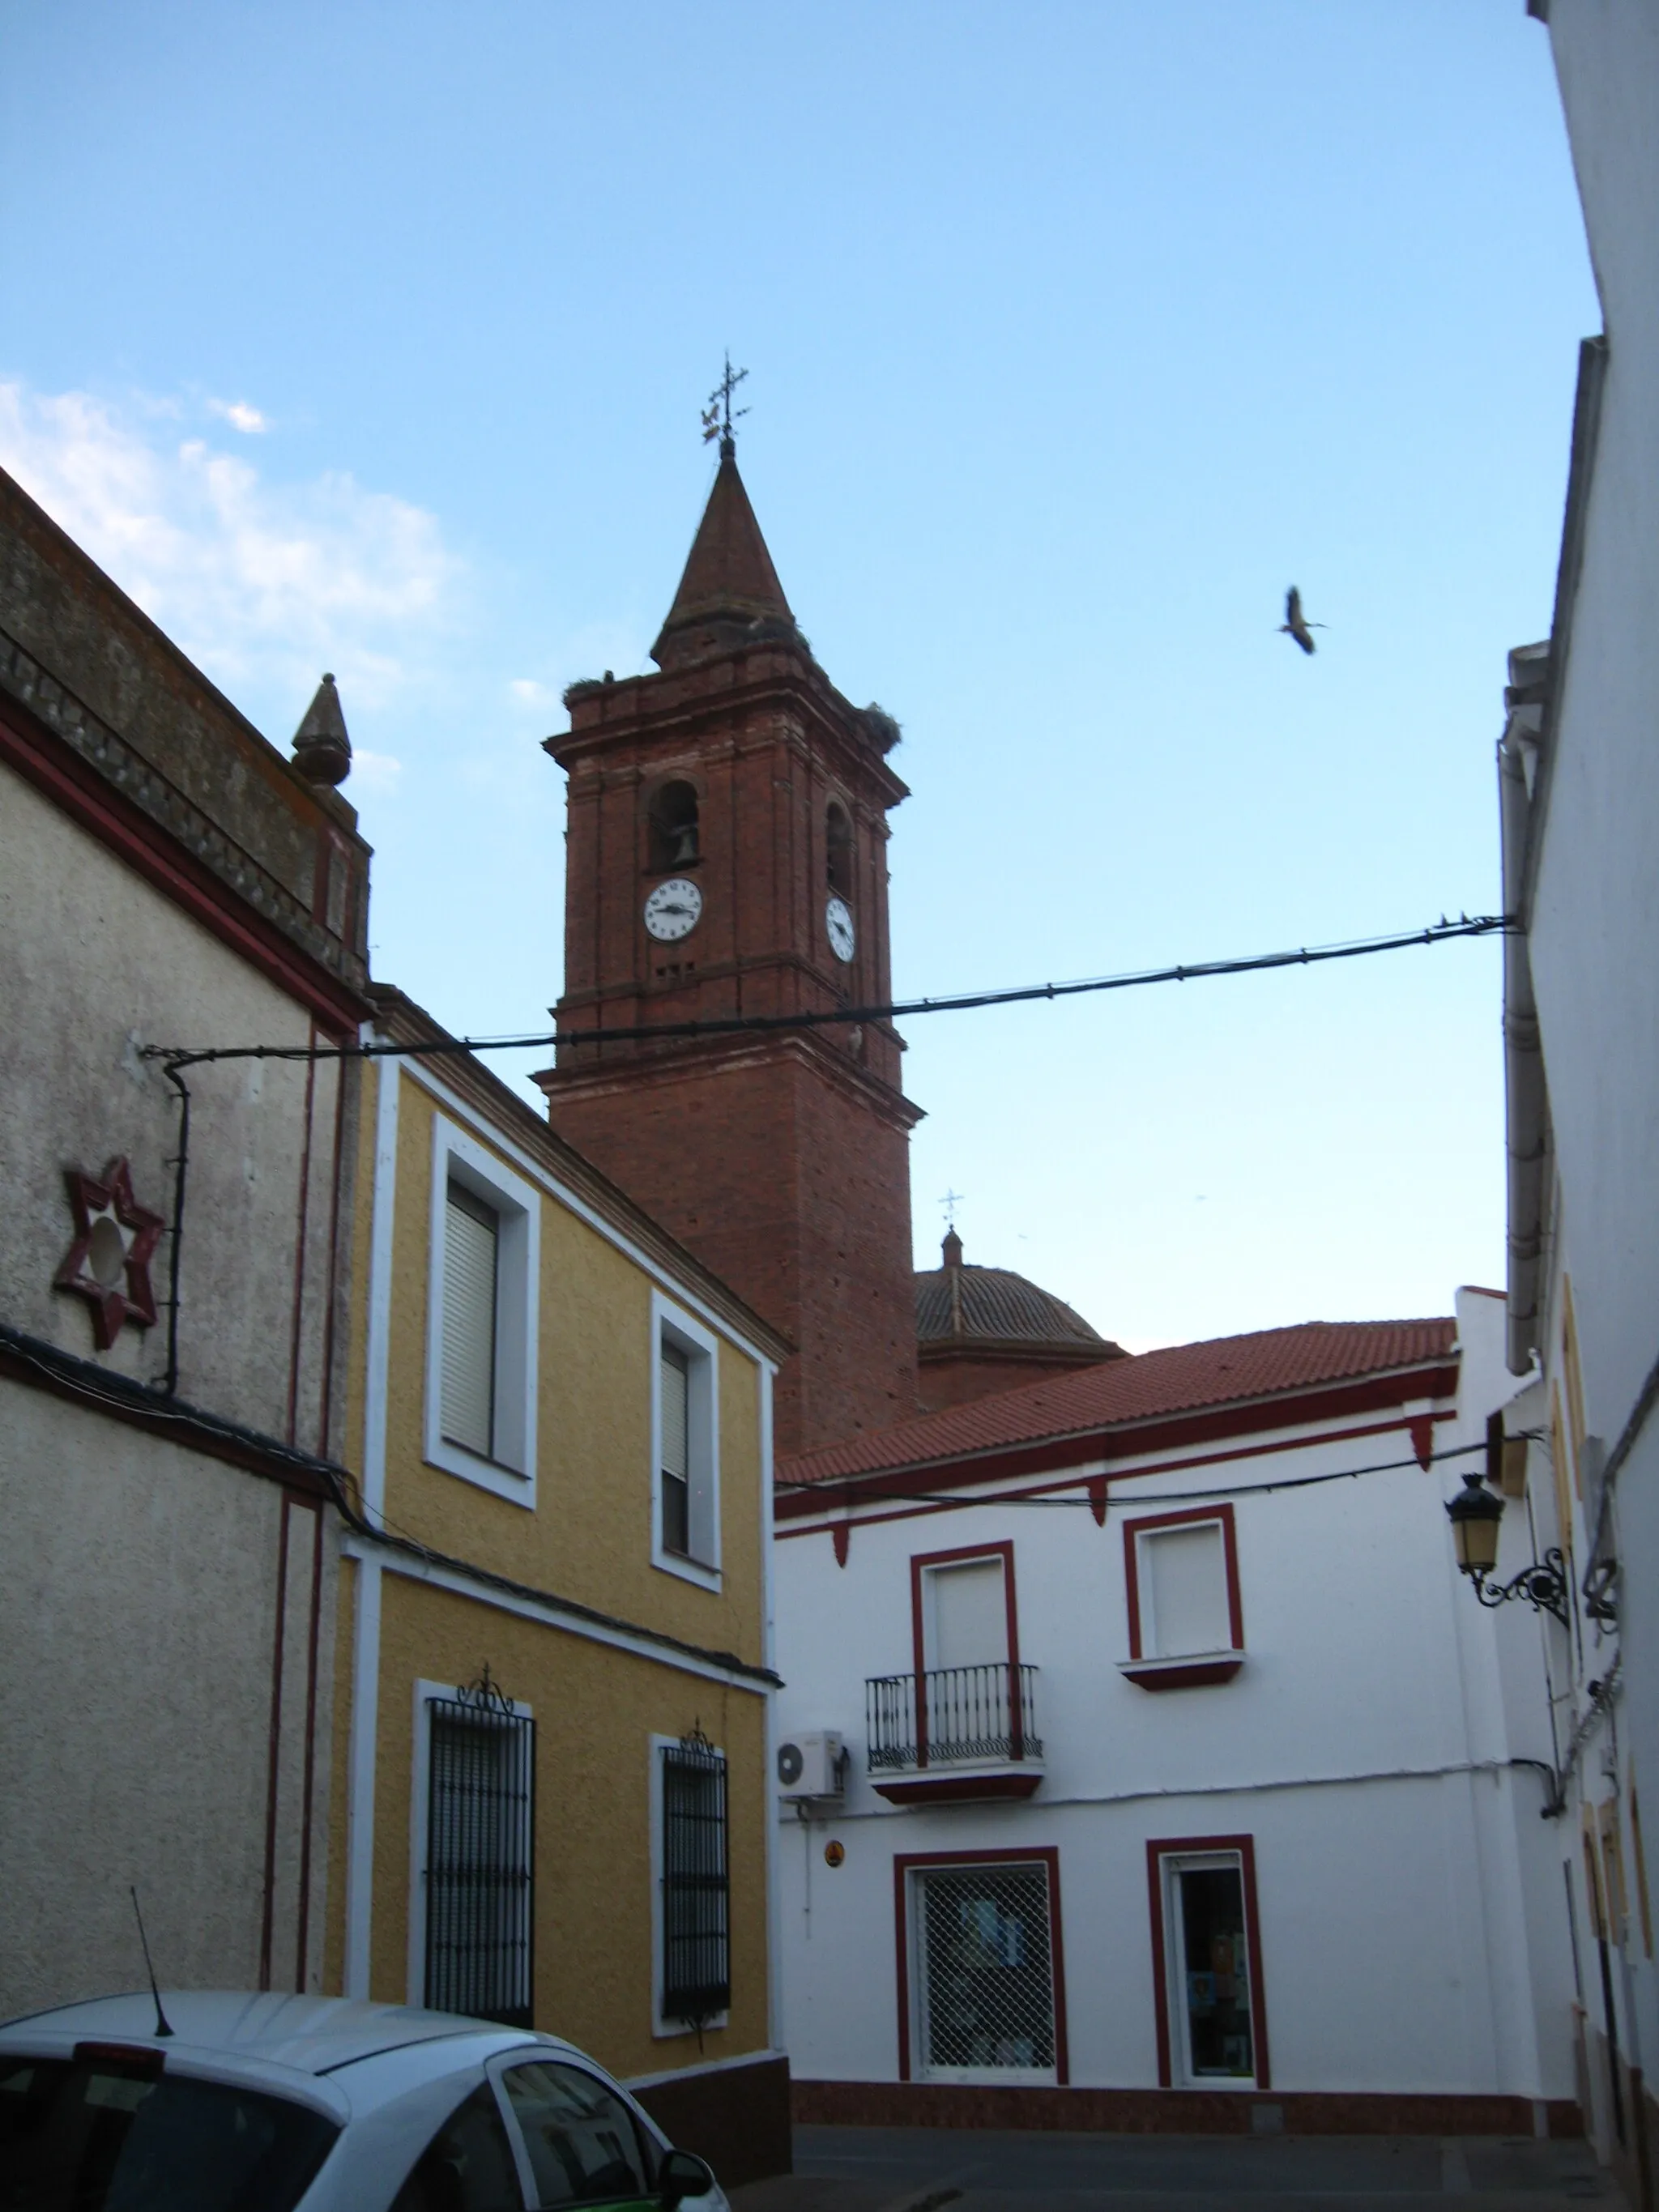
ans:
(1226, 1370)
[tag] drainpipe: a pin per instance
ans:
(1526, 1105)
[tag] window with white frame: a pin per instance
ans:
(691, 1897)
(472, 1918)
(1183, 1581)
(481, 1378)
(684, 1445)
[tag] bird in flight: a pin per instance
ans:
(1296, 623)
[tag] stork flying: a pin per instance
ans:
(1296, 623)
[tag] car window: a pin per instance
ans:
(94, 2134)
(585, 2146)
(468, 2166)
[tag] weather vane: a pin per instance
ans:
(718, 416)
(951, 1199)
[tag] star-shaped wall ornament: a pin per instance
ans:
(108, 1263)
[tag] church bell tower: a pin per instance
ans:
(726, 856)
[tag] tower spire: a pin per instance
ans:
(729, 594)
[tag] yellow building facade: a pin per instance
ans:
(553, 1677)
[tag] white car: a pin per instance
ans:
(302, 2104)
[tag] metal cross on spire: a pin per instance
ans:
(951, 1199)
(719, 416)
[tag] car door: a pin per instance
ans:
(580, 2142)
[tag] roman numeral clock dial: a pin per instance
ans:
(672, 909)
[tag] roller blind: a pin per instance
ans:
(676, 1391)
(1184, 1576)
(469, 1360)
(970, 1615)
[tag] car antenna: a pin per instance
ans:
(162, 2027)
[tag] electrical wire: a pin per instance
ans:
(1440, 933)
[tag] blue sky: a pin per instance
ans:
(374, 338)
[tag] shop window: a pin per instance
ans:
(979, 1936)
(1211, 2028)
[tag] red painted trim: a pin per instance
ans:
(1158, 1849)
(1003, 1461)
(944, 1787)
(330, 1319)
(1161, 1674)
(905, 1861)
(56, 770)
(273, 1749)
(824, 1498)
(919, 1563)
(296, 1325)
(308, 1804)
(1133, 1530)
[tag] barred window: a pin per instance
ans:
(696, 1969)
(479, 1841)
(985, 1972)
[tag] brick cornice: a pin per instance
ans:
(693, 1061)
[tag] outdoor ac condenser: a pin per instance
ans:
(812, 1765)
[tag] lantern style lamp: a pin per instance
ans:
(1474, 1514)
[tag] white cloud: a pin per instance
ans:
(240, 415)
(262, 584)
(529, 693)
(374, 775)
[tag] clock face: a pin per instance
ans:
(838, 922)
(672, 909)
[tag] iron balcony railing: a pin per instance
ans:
(950, 1715)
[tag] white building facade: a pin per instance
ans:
(1181, 1784)
(1579, 780)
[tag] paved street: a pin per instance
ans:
(927, 2169)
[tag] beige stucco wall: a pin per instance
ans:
(588, 1539)
(96, 957)
(596, 1709)
(135, 1722)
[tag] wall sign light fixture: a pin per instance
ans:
(1474, 1514)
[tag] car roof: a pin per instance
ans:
(309, 2034)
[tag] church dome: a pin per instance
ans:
(980, 1329)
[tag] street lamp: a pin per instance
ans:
(1474, 1514)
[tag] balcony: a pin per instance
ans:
(953, 1734)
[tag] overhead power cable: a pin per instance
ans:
(1305, 956)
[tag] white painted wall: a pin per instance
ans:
(1593, 938)
(1364, 1745)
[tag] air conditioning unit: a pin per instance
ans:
(812, 1765)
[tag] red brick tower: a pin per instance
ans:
(728, 855)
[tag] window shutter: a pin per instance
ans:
(1187, 1571)
(676, 1394)
(468, 1362)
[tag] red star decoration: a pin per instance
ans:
(108, 1263)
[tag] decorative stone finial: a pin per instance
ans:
(322, 750)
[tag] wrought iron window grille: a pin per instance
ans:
(696, 1965)
(480, 1888)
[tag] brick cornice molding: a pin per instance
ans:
(694, 1060)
